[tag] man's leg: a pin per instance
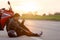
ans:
(32, 34)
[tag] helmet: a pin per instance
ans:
(12, 33)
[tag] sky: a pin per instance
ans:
(42, 6)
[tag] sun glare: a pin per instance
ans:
(27, 6)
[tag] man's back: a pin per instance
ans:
(14, 25)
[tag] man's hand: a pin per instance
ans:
(23, 21)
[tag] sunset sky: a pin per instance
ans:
(42, 6)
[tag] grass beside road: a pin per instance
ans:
(54, 17)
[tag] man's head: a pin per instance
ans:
(16, 16)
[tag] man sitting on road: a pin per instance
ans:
(15, 28)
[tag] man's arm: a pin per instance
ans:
(15, 24)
